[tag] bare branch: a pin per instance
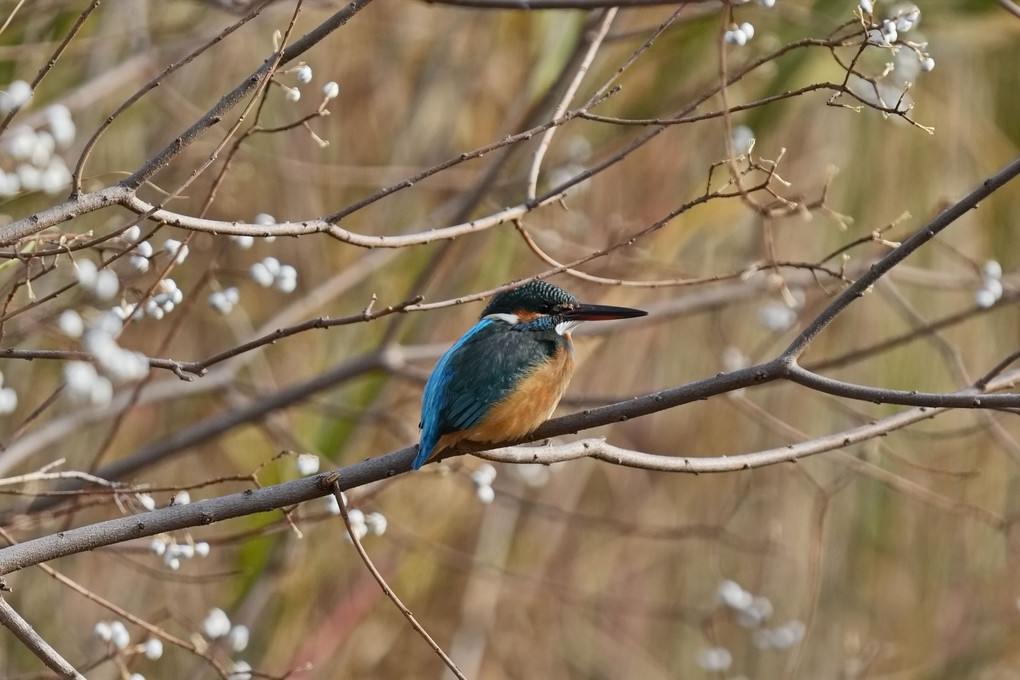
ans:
(334, 482)
(31, 639)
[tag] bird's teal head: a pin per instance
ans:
(550, 305)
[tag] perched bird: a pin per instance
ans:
(506, 375)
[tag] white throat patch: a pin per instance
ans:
(564, 327)
(511, 319)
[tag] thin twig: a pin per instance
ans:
(333, 481)
(22, 630)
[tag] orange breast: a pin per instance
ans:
(528, 407)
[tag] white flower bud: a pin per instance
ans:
(8, 401)
(86, 271)
(153, 648)
(376, 523)
(731, 594)
(70, 323)
(103, 631)
(486, 494)
(715, 659)
(119, 635)
(994, 286)
(485, 475)
(735, 37)
(216, 623)
(307, 464)
(243, 241)
(238, 638)
(107, 284)
(984, 298)
(992, 269)
(332, 506)
(15, 96)
(242, 671)
(261, 274)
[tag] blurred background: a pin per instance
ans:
(896, 558)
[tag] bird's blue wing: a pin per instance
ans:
(474, 375)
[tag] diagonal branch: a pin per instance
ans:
(31, 639)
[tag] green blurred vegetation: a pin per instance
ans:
(899, 555)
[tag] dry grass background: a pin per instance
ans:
(899, 555)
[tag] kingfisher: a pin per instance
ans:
(506, 375)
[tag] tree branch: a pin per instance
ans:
(31, 639)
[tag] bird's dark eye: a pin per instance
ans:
(558, 308)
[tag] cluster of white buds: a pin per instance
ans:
(781, 637)
(224, 301)
(8, 398)
(115, 633)
(739, 35)
(84, 384)
(102, 283)
(242, 671)
(121, 365)
(991, 286)
(38, 167)
(910, 58)
(83, 381)
(270, 272)
(304, 76)
(903, 19)
(753, 611)
(373, 523)
(330, 90)
(362, 525)
(142, 252)
(173, 552)
(216, 625)
(715, 659)
(483, 478)
(14, 96)
(177, 251)
(165, 301)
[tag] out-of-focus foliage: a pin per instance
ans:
(893, 558)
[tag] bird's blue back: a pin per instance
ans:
(478, 372)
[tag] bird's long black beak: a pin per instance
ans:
(585, 312)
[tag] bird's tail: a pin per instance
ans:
(425, 447)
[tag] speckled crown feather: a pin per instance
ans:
(536, 296)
